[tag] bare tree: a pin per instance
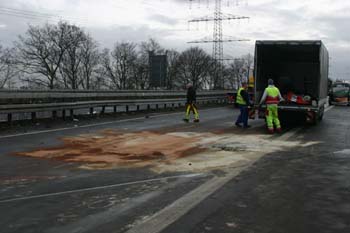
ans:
(193, 66)
(90, 62)
(150, 46)
(120, 64)
(172, 58)
(235, 73)
(214, 80)
(71, 63)
(8, 68)
(141, 74)
(41, 51)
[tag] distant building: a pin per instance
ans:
(158, 70)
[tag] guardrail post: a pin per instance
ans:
(172, 106)
(138, 108)
(157, 106)
(127, 108)
(115, 109)
(165, 106)
(148, 107)
(91, 111)
(9, 117)
(33, 116)
(54, 114)
(72, 113)
(64, 114)
(103, 110)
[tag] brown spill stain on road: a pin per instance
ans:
(111, 149)
(165, 150)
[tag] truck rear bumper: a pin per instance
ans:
(294, 108)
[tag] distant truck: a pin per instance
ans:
(300, 70)
(340, 93)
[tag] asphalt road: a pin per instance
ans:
(234, 180)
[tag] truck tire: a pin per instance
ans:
(311, 118)
(320, 114)
(330, 98)
(320, 117)
(316, 119)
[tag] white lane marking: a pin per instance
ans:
(68, 128)
(98, 188)
(289, 134)
(97, 124)
(343, 152)
(171, 213)
(329, 108)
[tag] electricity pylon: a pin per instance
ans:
(217, 40)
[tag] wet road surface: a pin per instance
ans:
(238, 181)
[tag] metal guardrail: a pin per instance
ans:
(30, 96)
(12, 102)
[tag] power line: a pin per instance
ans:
(217, 39)
(23, 14)
(26, 11)
(36, 15)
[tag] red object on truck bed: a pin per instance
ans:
(298, 99)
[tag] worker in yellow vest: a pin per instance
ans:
(272, 97)
(242, 100)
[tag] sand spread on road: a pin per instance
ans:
(140, 148)
(163, 151)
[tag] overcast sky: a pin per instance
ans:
(109, 21)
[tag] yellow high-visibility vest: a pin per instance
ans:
(272, 95)
(239, 99)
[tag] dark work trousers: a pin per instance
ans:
(243, 116)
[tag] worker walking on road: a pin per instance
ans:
(272, 97)
(190, 104)
(243, 102)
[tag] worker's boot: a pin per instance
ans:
(270, 131)
(196, 120)
(185, 120)
(279, 130)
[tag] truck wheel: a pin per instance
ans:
(330, 101)
(320, 117)
(311, 118)
(320, 114)
(316, 119)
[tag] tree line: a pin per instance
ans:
(64, 56)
